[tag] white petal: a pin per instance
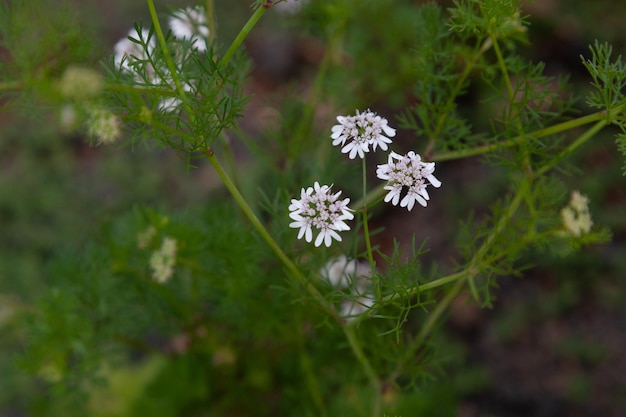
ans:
(434, 181)
(389, 131)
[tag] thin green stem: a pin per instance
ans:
(256, 223)
(469, 273)
(503, 66)
(548, 131)
(168, 58)
(243, 33)
(573, 146)
(425, 287)
(512, 107)
(366, 232)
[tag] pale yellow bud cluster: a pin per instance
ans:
(104, 125)
(575, 215)
(163, 260)
(79, 84)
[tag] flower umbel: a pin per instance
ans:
(408, 173)
(356, 133)
(320, 209)
(190, 24)
(575, 215)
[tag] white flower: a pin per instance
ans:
(408, 173)
(356, 133)
(319, 209)
(163, 260)
(576, 217)
(190, 24)
(129, 54)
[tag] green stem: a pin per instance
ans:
(512, 108)
(366, 232)
(573, 146)
(242, 35)
(548, 131)
(168, 58)
(243, 205)
(453, 95)
(469, 273)
(425, 287)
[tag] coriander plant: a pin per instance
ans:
(273, 295)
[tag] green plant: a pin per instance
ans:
(219, 308)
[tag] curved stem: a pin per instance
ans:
(243, 205)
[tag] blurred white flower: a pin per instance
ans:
(356, 133)
(290, 7)
(190, 24)
(350, 309)
(132, 57)
(343, 273)
(576, 216)
(408, 173)
(318, 208)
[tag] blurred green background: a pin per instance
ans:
(551, 346)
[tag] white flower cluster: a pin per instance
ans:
(343, 273)
(136, 56)
(408, 173)
(576, 216)
(355, 134)
(320, 209)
